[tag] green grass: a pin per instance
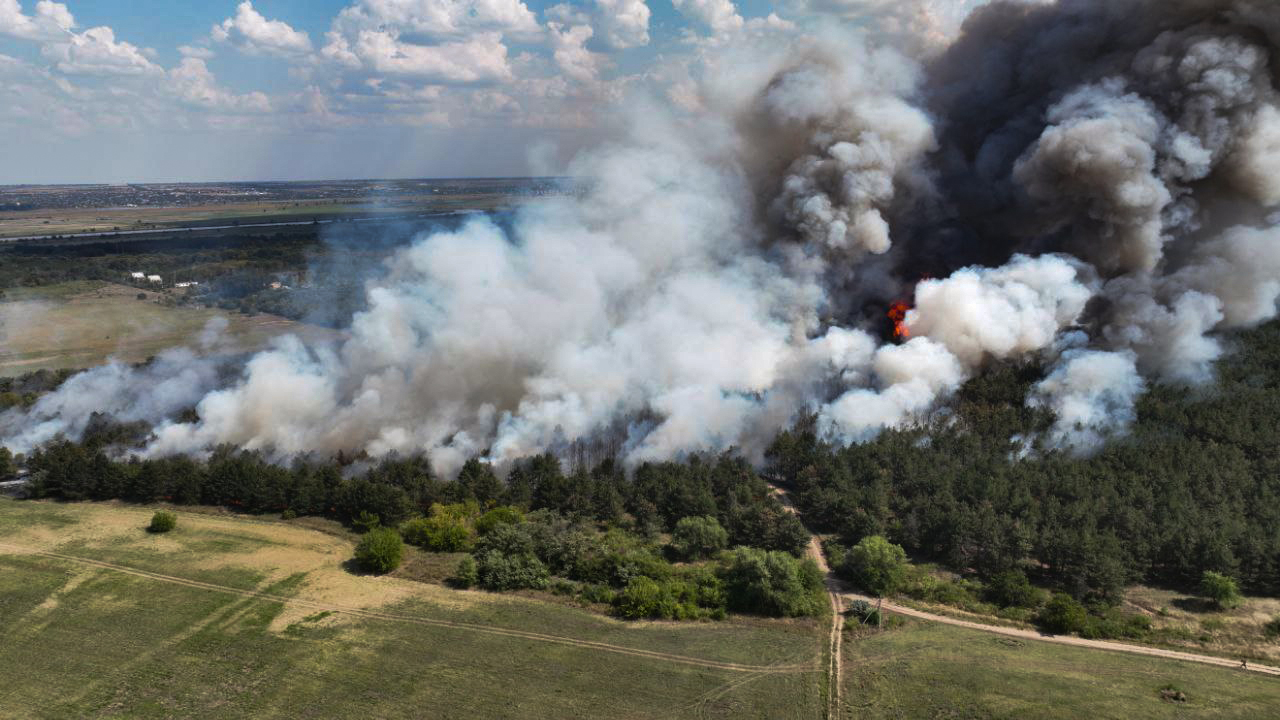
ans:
(78, 641)
(928, 670)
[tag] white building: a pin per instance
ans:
(154, 279)
(137, 276)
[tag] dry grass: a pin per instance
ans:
(82, 324)
(1187, 621)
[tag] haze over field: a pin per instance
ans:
(1091, 183)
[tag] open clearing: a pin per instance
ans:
(80, 324)
(931, 670)
(234, 617)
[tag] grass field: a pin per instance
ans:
(106, 220)
(100, 619)
(80, 324)
(929, 670)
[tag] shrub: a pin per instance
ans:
(1272, 629)
(438, 533)
(380, 550)
(162, 522)
(1013, 589)
(289, 514)
(1063, 615)
(642, 598)
(1221, 589)
(504, 515)
(772, 582)
(366, 521)
(466, 575)
(699, 537)
(877, 565)
(496, 571)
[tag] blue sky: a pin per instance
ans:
(163, 90)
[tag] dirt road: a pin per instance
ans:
(835, 585)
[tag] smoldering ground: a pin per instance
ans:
(1092, 183)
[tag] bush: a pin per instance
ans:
(772, 582)
(642, 598)
(877, 565)
(366, 521)
(438, 533)
(1013, 589)
(1272, 629)
(162, 522)
(380, 550)
(1063, 615)
(504, 515)
(699, 537)
(496, 571)
(1221, 589)
(466, 575)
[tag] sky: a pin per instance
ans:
(110, 91)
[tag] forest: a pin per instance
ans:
(1192, 488)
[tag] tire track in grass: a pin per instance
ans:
(430, 622)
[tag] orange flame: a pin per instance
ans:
(898, 314)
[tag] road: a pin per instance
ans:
(836, 586)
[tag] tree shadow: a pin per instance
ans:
(353, 567)
(1195, 605)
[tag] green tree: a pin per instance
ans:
(162, 522)
(380, 550)
(467, 574)
(1221, 589)
(699, 537)
(1012, 589)
(1062, 615)
(7, 467)
(441, 532)
(877, 565)
(501, 515)
(772, 582)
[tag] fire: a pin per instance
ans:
(898, 314)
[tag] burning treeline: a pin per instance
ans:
(1093, 183)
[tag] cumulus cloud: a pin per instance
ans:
(250, 32)
(622, 23)
(193, 83)
(437, 19)
(719, 16)
(50, 21)
(97, 52)
(570, 52)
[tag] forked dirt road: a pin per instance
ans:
(837, 588)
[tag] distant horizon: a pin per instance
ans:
(301, 181)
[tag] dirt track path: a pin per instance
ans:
(470, 627)
(833, 582)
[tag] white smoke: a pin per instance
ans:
(1091, 394)
(730, 265)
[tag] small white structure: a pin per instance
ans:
(193, 283)
(154, 279)
(137, 276)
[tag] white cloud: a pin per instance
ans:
(721, 16)
(97, 52)
(193, 83)
(570, 52)
(477, 59)
(251, 32)
(623, 23)
(51, 21)
(437, 19)
(194, 51)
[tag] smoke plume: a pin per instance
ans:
(1092, 182)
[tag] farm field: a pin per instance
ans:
(930, 670)
(81, 324)
(108, 220)
(236, 617)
